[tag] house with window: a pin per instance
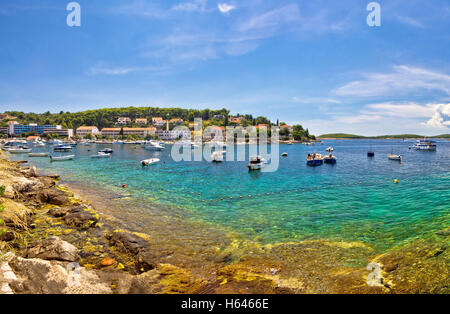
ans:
(141, 121)
(158, 121)
(123, 120)
(82, 131)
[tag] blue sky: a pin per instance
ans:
(317, 63)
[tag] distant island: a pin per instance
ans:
(353, 136)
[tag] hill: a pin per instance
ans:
(397, 136)
(341, 135)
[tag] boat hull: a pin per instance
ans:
(314, 162)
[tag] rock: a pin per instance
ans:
(7, 236)
(135, 245)
(53, 196)
(24, 185)
(30, 172)
(36, 276)
(126, 241)
(58, 212)
(9, 192)
(444, 232)
(53, 248)
(81, 217)
(47, 182)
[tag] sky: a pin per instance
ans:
(316, 63)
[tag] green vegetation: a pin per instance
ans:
(108, 117)
(398, 136)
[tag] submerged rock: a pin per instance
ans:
(53, 248)
(58, 212)
(81, 217)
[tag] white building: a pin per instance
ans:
(82, 131)
(174, 134)
(123, 120)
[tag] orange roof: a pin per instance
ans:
(285, 126)
(32, 137)
(86, 128)
(139, 129)
(13, 122)
(261, 126)
(157, 118)
(110, 129)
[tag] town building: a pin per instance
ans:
(158, 121)
(219, 116)
(141, 121)
(59, 132)
(123, 120)
(82, 131)
(174, 134)
(237, 120)
(14, 128)
(110, 132)
(176, 121)
(143, 132)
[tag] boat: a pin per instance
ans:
(314, 160)
(62, 158)
(290, 143)
(154, 146)
(62, 148)
(19, 150)
(217, 156)
(14, 144)
(101, 155)
(38, 154)
(424, 145)
(330, 149)
(392, 156)
(329, 159)
(256, 163)
(148, 162)
(371, 153)
(284, 154)
(106, 151)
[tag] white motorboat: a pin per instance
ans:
(38, 154)
(330, 149)
(394, 157)
(424, 145)
(148, 162)
(19, 150)
(154, 146)
(217, 156)
(62, 158)
(256, 163)
(101, 155)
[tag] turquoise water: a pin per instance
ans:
(354, 200)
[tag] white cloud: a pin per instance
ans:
(194, 6)
(440, 118)
(410, 21)
(314, 100)
(403, 80)
(95, 70)
(272, 19)
(225, 8)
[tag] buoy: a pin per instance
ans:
(396, 181)
(124, 185)
(108, 262)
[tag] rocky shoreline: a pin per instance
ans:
(53, 242)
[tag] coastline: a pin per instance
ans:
(142, 264)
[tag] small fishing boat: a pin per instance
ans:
(19, 150)
(371, 153)
(38, 154)
(290, 143)
(394, 157)
(217, 156)
(101, 155)
(106, 151)
(330, 149)
(329, 159)
(284, 154)
(148, 162)
(256, 163)
(62, 158)
(314, 160)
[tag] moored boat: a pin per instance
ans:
(394, 157)
(256, 163)
(19, 150)
(314, 160)
(101, 155)
(330, 149)
(148, 162)
(62, 158)
(424, 145)
(329, 159)
(62, 148)
(217, 156)
(38, 154)
(153, 146)
(106, 151)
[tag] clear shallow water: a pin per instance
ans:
(354, 200)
